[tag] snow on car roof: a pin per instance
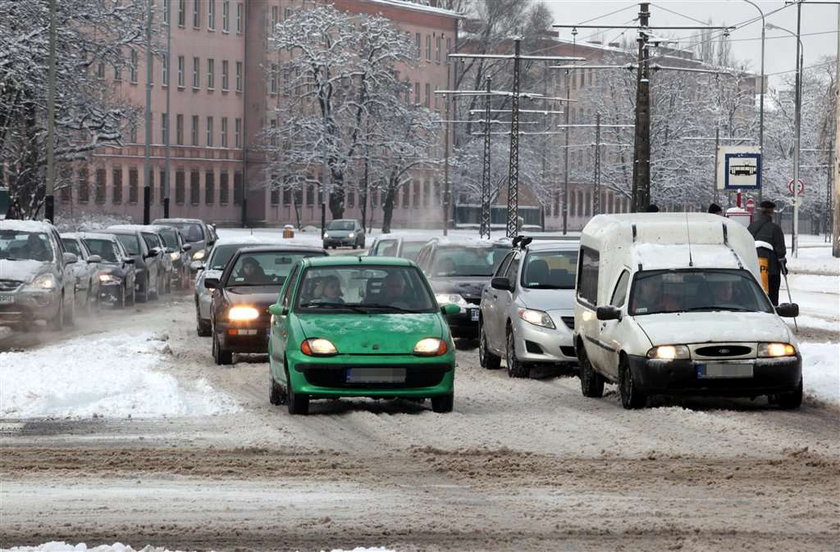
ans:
(25, 225)
(653, 256)
(96, 236)
(265, 239)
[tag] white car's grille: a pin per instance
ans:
(719, 351)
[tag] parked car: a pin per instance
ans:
(85, 269)
(405, 246)
(116, 273)
(142, 244)
(251, 281)
(212, 267)
(200, 235)
(672, 304)
(178, 251)
(458, 270)
(344, 232)
(359, 327)
(37, 280)
(527, 312)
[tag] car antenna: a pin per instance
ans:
(688, 230)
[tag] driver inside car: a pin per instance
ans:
(252, 272)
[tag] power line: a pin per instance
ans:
(663, 8)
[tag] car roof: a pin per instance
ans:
(262, 239)
(25, 225)
(96, 236)
(281, 247)
(350, 260)
(70, 235)
(126, 228)
(466, 242)
(564, 245)
(163, 221)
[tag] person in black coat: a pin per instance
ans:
(763, 229)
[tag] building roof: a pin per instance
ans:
(417, 6)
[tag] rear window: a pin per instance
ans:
(191, 231)
(221, 254)
(410, 250)
(550, 270)
(130, 242)
(72, 246)
(341, 225)
(264, 268)
(454, 261)
(170, 238)
(104, 248)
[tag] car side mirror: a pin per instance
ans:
(450, 309)
(788, 310)
(69, 258)
(153, 252)
(608, 313)
(129, 260)
(501, 283)
(277, 310)
(186, 247)
(211, 283)
(93, 259)
(195, 266)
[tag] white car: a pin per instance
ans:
(671, 304)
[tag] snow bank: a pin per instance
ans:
(113, 377)
(117, 547)
(821, 371)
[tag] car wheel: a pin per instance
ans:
(792, 400)
(591, 382)
(297, 404)
(70, 314)
(355, 245)
(515, 368)
(485, 357)
(130, 296)
(222, 357)
(57, 323)
(202, 327)
(276, 393)
(145, 294)
(443, 404)
(121, 299)
(631, 396)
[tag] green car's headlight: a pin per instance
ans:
(430, 346)
(669, 352)
(318, 346)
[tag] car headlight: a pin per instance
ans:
(318, 346)
(198, 255)
(669, 352)
(771, 350)
(175, 255)
(45, 281)
(351, 235)
(109, 279)
(326, 235)
(243, 313)
(536, 317)
(444, 298)
(430, 346)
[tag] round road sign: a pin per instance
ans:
(750, 205)
(800, 186)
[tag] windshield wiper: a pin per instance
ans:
(333, 306)
(718, 307)
(546, 286)
(391, 307)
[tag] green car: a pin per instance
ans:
(359, 327)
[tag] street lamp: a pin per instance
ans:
(797, 119)
(761, 94)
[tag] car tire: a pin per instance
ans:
(515, 368)
(792, 400)
(146, 294)
(130, 296)
(57, 323)
(276, 392)
(355, 245)
(297, 404)
(70, 314)
(443, 404)
(121, 300)
(591, 382)
(487, 359)
(202, 327)
(631, 396)
(222, 357)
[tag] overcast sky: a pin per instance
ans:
(746, 43)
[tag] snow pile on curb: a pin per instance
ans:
(111, 377)
(821, 371)
(117, 547)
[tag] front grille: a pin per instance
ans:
(336, 376)
(10, 285)
(569, 321)
(568, 351)
(724, 350)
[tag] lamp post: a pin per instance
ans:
(761, 94)
(797, 120)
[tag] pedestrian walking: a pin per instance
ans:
(715, 209)
(770, 243)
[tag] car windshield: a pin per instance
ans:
(25, 246)
(72, 246)
(221, 254)
(368, 289)
(191, 231)
(170, 238)
(550, 270)
(104, 248)
(341, 225)
(130, 242)
(264, 268)
(662, 291)
(468, 261)
(410, 250)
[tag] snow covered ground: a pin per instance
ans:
(118, 547)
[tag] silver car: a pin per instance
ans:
(86, 270)
(527, 311)
(36, 275)
(212, 267)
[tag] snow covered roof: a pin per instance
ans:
(409, 5)
(25, 225)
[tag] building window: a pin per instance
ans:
(224, 191)
(164, 129)
(272, 136)
(132, 66)
(196, 84)
(224, 143)
(133, 180)
(179, 129)
(437, 48)
(84, 189)
(181, 67)
(211, 15)
(166, 12)
(448, 47)
(100, 70)
(238, 191)
(211, 74)
(116, 185)
(239, 13)
(428, 48)
(351, 199)
(237, 133)
(196, 14)
(194, 131)
(118, 70)
(273, 80)
(164, 72)
(99, 190)
(239, 76)
(428, 101)
(151, 187)
(209, 132)
(418, 45)
(310, 196)
(274, 16)
(182, 13)
(195, 187)
(179, 187)
(209, 187)
(162, 182)
(132, 133)
(67, 193)
(406, 196)
(275, 191)
(225, 16)
(225, 75)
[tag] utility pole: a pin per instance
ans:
(447, 192)
(147, 187)
(484, 228)
(717, 149)
(49, 196)
(168, 139)
(596, 200)
(641, 153)
(835, 250)
(513, 172)
(566, 149)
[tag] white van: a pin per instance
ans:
(670, 303)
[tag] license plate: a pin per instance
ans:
(722, 371)
(7, 299)
(376, 375)
(474, 315)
